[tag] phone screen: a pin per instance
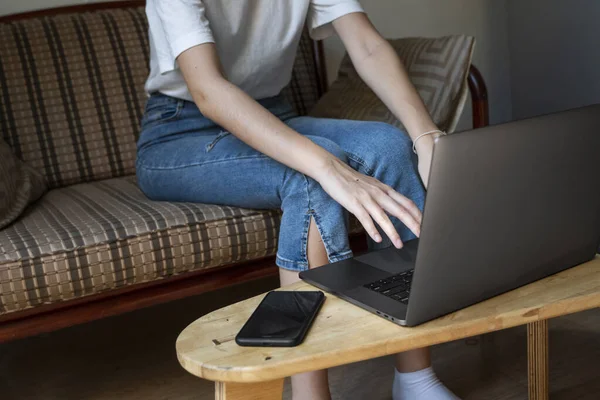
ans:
(281, 319)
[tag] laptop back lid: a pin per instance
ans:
(507, 205)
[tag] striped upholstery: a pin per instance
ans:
(302, 92)
(20, 185)
(437, 67)
(71, 91)
(93, 237)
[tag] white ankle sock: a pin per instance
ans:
(420, 385)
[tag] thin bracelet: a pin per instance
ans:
(442, 133)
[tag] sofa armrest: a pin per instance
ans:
(479, 96)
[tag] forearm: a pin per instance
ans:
(380, 67)
(385, 74)
(230, 107)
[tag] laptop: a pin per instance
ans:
(506, 205)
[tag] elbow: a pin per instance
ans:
(201, 96)
(373, 47)
(206, 95)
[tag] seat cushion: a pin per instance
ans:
(93, 237)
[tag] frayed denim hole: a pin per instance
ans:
(305, 230)
(311, 213)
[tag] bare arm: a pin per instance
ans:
(380, 67)
(230, 107)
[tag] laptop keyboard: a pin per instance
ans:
(396, 287)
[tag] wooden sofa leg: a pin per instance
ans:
(272, 390)
(537, 360)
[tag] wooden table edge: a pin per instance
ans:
(385, 347)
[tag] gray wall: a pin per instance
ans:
(555, 56)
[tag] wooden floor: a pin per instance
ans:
(126, 357)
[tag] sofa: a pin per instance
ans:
(71, 98)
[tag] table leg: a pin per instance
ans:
(537, 360)
(272, 390)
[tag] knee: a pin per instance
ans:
(388, 140)
(296, 183)
(330, 146)
(387, 148)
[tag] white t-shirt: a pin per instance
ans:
(256, 39)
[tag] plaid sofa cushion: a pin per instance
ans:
(20, 185)
(93, 237)
(72, 91)
(303, 92)
(437, 67)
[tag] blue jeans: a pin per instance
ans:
(185, 157)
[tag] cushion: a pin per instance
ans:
(437, 67)
(303, 90)
(93, 237)
(20, 185)
(72, 91)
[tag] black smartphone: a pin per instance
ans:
(281, 319)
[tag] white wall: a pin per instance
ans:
(555, 62)
(484, 19)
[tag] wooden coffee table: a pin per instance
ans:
(343, 334)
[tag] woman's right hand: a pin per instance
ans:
(369, 200)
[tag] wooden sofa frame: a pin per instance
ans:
(56, 316)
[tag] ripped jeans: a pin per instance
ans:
(185, 157)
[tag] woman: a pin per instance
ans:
(216, 131)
